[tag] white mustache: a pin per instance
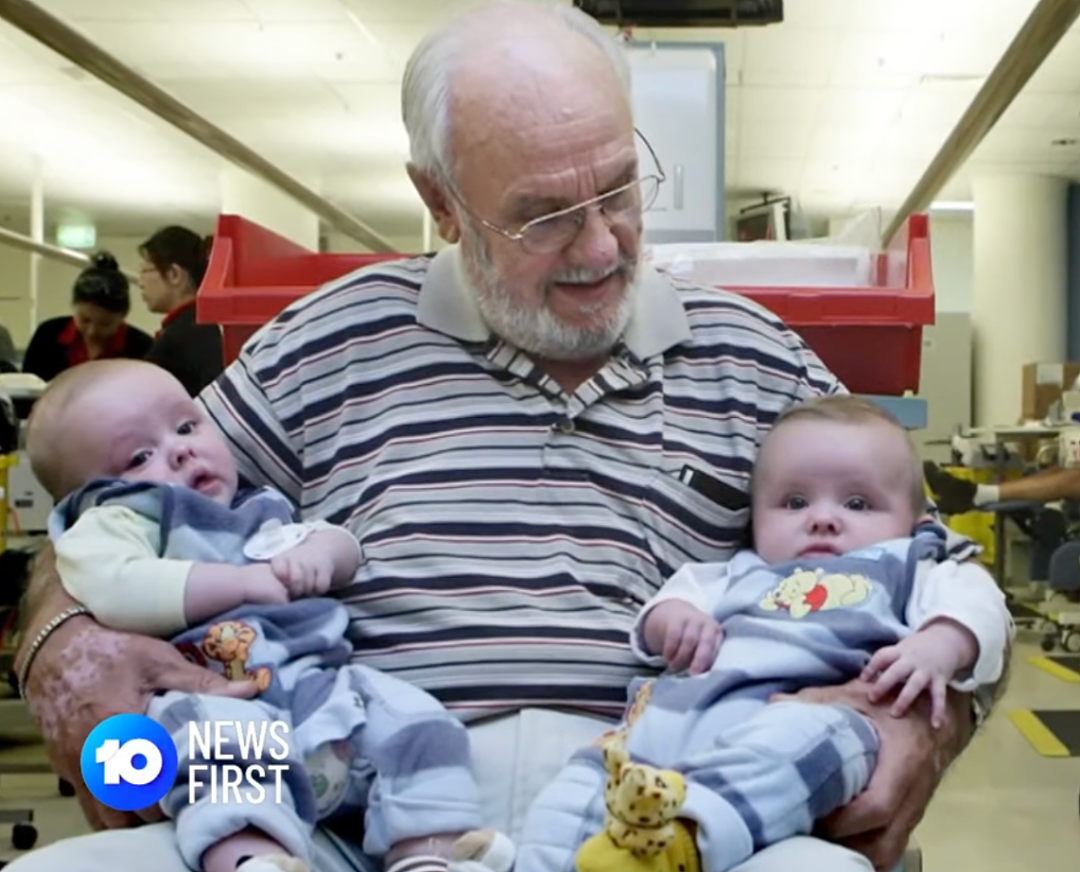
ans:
(585, 276)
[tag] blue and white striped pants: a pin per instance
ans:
(407, 766)
(764, 774)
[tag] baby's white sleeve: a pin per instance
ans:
(108, 560)
(699, 584)
(966, 593)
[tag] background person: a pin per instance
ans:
(174, 264)
(96, 328)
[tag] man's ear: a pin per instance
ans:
(437, 202)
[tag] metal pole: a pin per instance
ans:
(42, 26)
(53, 252)
(1048, 22)
(37, 233)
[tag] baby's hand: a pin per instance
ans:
(304, 570)
(926, 660)
(262, 586)
(683, 635)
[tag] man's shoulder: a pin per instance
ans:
(717, 312)
(375, 300)
(726, 326)
(364, 292)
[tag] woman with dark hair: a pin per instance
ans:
(96, 328)
(174, 263)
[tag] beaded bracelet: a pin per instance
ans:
(40, 638)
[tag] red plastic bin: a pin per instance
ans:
(870, 337)
(253, 274)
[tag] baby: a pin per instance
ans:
(153, 535)
(837, 588)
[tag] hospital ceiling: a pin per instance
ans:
(842, 106)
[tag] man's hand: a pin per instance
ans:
(306, 570)
(926, 660)
(912, 759)
(683, 635)
(85, 673)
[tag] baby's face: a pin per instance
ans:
(829, 487)
(141, 425)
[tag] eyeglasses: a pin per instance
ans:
(622, 206)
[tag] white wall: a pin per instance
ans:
(951, 252)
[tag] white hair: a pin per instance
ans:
(425, 91)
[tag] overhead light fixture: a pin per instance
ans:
(1065, 141)
(952, 206)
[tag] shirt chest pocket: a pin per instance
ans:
(691, 517)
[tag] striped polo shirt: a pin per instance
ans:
(510, 531)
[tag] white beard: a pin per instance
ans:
(538, 331)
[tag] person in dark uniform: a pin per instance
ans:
(174, 262)
(96, 328)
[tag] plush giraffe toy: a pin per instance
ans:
(641, 830)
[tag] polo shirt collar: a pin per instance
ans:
(448, 305)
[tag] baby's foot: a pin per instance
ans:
(482, 851)
(272, 863)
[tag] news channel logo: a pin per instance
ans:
(129, 762)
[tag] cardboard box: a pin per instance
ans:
(1043, 385)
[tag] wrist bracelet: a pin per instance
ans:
(40, 638)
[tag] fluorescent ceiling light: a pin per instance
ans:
(952, 206)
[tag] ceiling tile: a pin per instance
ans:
(759, 174)
(780, 105)
(1025, 143)
(149, 10)
(937, 105)
(942, 16)
(770, 51)
(1060, 72)
(869, 107)
(1041, 110)
(430, 11)
(819, 14)
(839, 144)
(291, 11)
(775, 140)
(878, 59)
(904, 142)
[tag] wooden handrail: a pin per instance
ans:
(1048, 23)
(53, 252)
(46, 28)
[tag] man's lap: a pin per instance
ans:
(128, 850)
(514, 757)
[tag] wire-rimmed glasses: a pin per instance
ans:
(553, 232)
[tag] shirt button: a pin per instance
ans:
(565, 425)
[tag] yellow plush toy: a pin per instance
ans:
(641, 829)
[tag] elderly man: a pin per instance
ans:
(528, 433)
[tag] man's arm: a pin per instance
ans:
(82, 673)
(912, 760)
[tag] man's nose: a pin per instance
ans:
(595, 246)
